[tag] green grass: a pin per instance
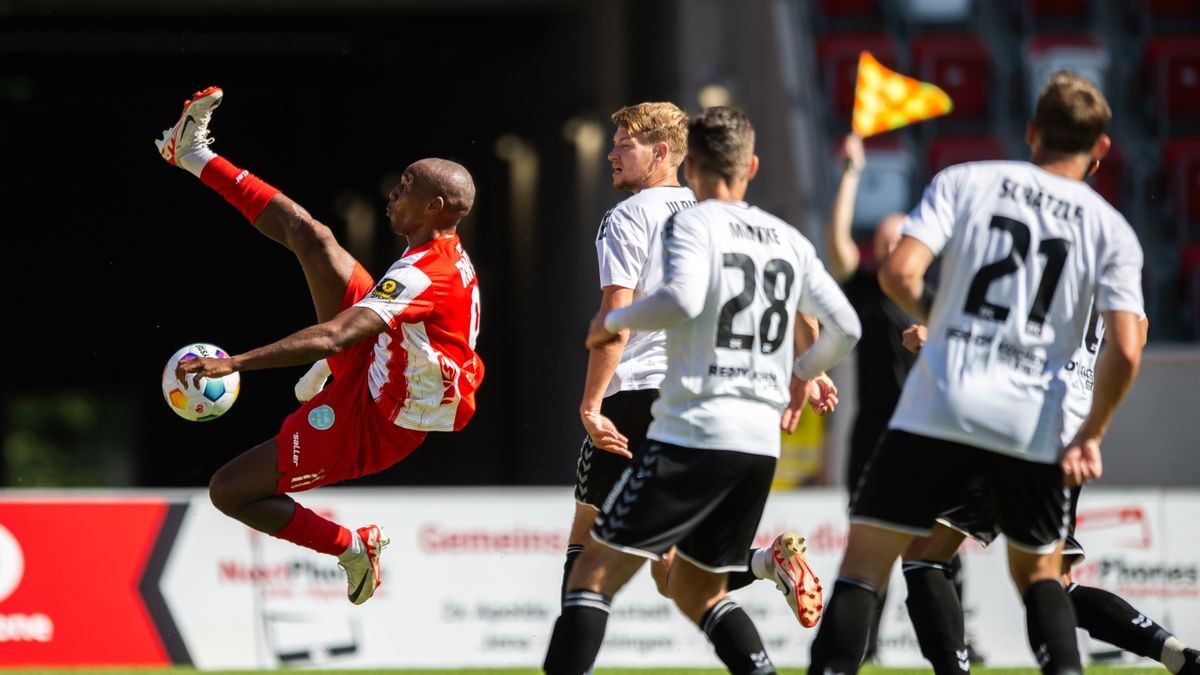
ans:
(869, 670)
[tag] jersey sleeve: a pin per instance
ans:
(403, 295)
(932, 220)
(821, 297)
(686, 271)
(1119, 278)
(621, 248)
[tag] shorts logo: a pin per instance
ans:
(388, 289)
(12, 563)
(321, 417)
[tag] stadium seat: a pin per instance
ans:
(1109, 180)
(940, 12)
(1044, 14)
(949, 150)
(1047, 54)
(961, 64)
(1181, 176)
(1172, 75)
(1171, 15)
(838, 56)
(848, 9)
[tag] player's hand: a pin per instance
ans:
(913, 338)
(856, 156)
(1081, 462)
(822, 394)
(597, 334)
(203, 367)
(795, 407)
(604, 433)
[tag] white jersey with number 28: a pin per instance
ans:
(729, 368)
(1024, 252)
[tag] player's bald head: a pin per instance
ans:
(435, 177)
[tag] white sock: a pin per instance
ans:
(355, 549)
(195, 159)
(1172, 655)
(762, 564)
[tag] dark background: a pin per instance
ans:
(115, 259)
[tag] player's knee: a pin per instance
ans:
(221, 492)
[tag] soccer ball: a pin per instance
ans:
(213, 398)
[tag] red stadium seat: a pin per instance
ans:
(949, 150)
(838, 56)
(1172, 74)
(1109, 180)
(847, 9)
(1181, 173)
(1047, 54)
(1170, 10)
(961, 64)
(1057, 12)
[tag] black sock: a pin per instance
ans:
(578, 633)
(873, 638)
(956, 575)
(845, 627)
(742, 579)
(1051, 625)
(936, 615)
(1109, 618)
(735, 639)
(573, 551)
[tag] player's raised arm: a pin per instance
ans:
(843, 256)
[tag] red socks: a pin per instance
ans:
(309, 530)
(247, 192)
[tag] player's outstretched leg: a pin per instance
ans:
(247, 490)
(784, 563)
(327, 266)
(1107, 617)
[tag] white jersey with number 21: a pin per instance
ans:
(1024, 252)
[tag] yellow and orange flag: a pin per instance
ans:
(886, 100)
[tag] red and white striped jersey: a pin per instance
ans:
(425, 370)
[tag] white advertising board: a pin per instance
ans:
(472, 576)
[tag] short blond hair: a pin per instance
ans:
(660, 121)
(1071, 113)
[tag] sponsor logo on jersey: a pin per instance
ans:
(388, 289)
(321, 417)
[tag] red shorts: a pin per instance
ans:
(340, 433)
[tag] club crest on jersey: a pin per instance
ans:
(388, 289)
(321, 418)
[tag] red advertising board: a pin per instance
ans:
(70, 573)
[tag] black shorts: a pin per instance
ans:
(912, 480)
(598, 470)
(974, 517)
(706, 503)
(972, 513)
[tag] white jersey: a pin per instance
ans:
(629, 250)
(1024, 252)
(1080, 376)
(741, 273)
